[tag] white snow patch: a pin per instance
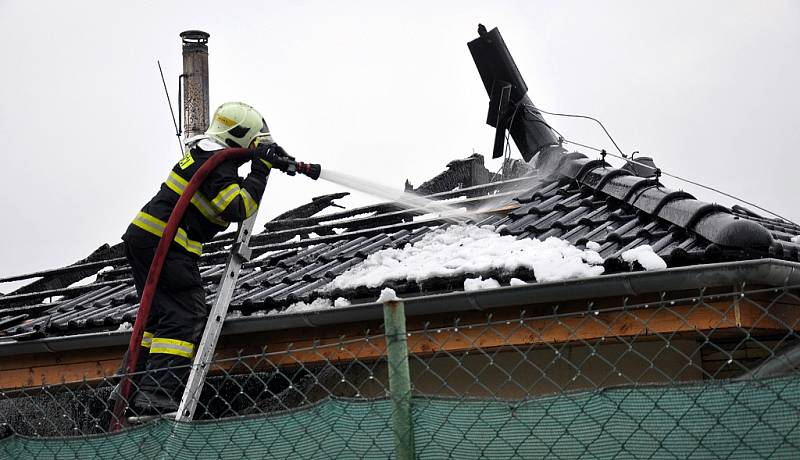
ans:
(341, 302)
(436, 216)
(300, 307)
(388, 295)
(126, 326)
(452, 198)
(295, 239)
(594, 246)
(85, 281)
(340, 219)
(263, 256)
(105, 269)
(233, 314)
(474, 284)
(53, 299)
(516, 282)
(470, 249)
(796, 239)
(644, 254)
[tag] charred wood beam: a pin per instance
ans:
(462, 173)
(318, 203)
(56, 280)
(469, 172)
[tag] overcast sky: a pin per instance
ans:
(385, 90)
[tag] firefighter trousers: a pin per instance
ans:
(176, 321)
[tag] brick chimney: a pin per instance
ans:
(195, 82)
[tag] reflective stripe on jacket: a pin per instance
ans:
(157, 226)
(222, 198)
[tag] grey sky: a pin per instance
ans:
(379, 89)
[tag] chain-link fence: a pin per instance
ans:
(708, 374)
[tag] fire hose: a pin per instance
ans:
(153, 275)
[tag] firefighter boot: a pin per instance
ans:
(162, 384)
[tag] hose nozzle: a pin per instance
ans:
(309, 169)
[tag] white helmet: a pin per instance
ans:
(236, 124)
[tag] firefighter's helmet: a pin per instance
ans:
(236, 124)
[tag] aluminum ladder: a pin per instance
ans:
(240, 253)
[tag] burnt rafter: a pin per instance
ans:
(469, 172)
(100, 257)
(318, 204)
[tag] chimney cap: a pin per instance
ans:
(195, 37)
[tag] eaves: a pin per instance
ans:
(762, 272)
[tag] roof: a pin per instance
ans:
(572, 197)
(568, 195)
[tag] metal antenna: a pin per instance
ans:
(171, 112)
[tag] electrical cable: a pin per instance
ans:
(499, 169)
(171, 112)
(622, 156)
(571, 115)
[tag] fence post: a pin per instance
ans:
(394, 318)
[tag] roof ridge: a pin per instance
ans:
(714, 222)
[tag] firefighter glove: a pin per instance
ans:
(274, 156)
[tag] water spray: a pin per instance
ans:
(406, 200)
(402, 198)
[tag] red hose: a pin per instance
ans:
(155, 272)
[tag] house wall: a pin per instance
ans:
(566, 368)
(544, 370)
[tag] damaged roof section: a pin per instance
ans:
(579, 200)
(469, 172)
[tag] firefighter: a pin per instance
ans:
(179, 309)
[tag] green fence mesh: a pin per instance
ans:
(720, 419)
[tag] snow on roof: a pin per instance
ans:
(301, 307)
(318, 304)
(468, 249)
(644, 254)
(388, 295)
(474, 284)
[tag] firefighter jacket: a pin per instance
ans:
(223, 198)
